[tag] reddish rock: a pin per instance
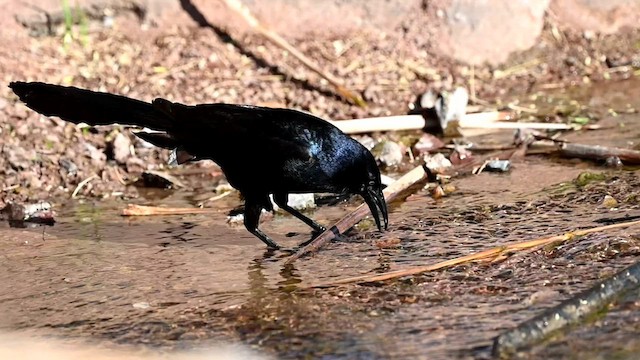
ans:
(476, 32)
(473, 32)
(604, 16)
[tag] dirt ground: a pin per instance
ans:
(166, 283)
(195, 65)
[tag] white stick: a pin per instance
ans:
(485, 120)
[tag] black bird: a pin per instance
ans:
(261, 150)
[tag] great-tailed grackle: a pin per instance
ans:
(261, 150)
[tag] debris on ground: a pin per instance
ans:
(121, 148)
(19, 214)
(437, 163)
(298, 201)
(388, 153)
(142, 210)
(492, 255)
(496, 166)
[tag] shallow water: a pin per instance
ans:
(191, 281)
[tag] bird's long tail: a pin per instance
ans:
(93, 108)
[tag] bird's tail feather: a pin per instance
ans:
(94, 108)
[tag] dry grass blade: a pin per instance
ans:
(82, 184)
(240, 9)
(489, 255)
(390, 193)
(140, 210)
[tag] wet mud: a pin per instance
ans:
(180, 282)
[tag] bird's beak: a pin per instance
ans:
(378, 206)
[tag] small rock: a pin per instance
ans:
(141, 305)
(299, 201)
(236, 219)
(121, 148)
(68, 165)
(498, 165)
(135, 165)
(437, 162)
(17, 214)
(21, 111)
(97, 156)
(609, 202)
(613, 161)
(31, 178)
(438, 192)
(367, 141)
(24, 129)
(389, 153)
(19, 158)
(449, 188)
(427, 143)
(461, 155)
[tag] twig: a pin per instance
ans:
(522, 109)
(413, 122)
(597, 152)
(568, 312)
(524, 125)
(240, 9)
(390, 193)
(214, 198)
(482, 255)
(140, 210)
(82, 184)
(517, 69)
(10, 187)
(118, 175)
(476, 147)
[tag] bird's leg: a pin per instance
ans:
(281, 201)
(251, 221)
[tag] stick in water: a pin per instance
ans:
(482, 255)
(344, 224)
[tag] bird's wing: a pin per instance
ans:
(259, 132)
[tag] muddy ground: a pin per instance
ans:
(192, 281)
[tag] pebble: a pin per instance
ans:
(121, 148)
(389, 153)
(609, 201)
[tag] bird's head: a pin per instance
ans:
(370, 188)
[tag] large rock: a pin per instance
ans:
(291, 18)
(604, 16)
(487, 31)
(471, 31)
